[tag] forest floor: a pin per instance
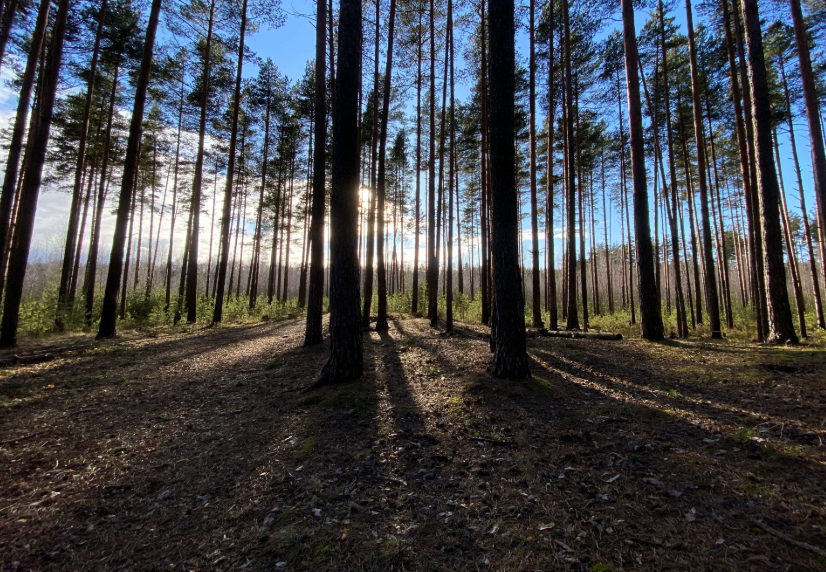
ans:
(191, 449)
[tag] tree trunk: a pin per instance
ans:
(651, 323)
(570, 176)
(7, 197)
(173, 214)
(63, 300)
(781, 328)
(510, 358)
(787, 234)
(218, 311)
(315, 301)
(414, 306)
(432, 260)
(94, 242)
(536, 302)
(450, 180)
(813, 116)
(381, 317)
(32, 177)
(549, 218)
(130, 171)
(485, 278)
(806, 229)
(712, 298)
(753, 199)
(346, 357)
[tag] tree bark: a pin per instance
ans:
(130, 171)
(381, 317)
(781, 328)
(218, 311)
(813, 117)
(651, 322)
(64, 302)
(346, 358)
(712, 297)
(573, 319)
(536, 302)
(315, 301)
(32, 177)
(432, 259)
(7, 197)
(510, 358)
(91, 262)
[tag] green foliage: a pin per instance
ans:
(37, 313)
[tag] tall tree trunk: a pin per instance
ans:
(450, 180)
(781, 328)
(346, 357)
(191, 268)
(381, 317)
(712, 298)
(651, 322)
(15, 151)
(510, 358)
(63, 301)
(94, 242)
(536, 302)
(607, 246)
(806, 229)
(173, 214)
(315, 301)
(787, 234)
(745, 170)
(130, 171)
(370, 250)
(414, 306)
(32, 177)
(485, 278)
(549, 209)
(432, 259)
(753, 211)
(218, 311)
(570, 175)
(812, 115)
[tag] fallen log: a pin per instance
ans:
(577, 334)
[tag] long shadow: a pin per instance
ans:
(695, 390)
(240, 471)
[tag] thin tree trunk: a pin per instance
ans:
(573, 319)
(813, 116)
(381, 317)
(712, 297)
(312, 332)
(432, 259)
(806, 229)
(414, 306)
(64, 302)
(94, 242)
(218, 310)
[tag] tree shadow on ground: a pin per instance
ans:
(213, 461)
